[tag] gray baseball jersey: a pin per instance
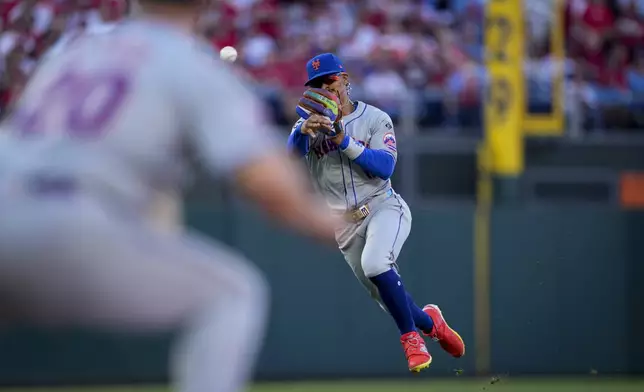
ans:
(372, 245)
(118, 111)
(344, 184)
(100, 130)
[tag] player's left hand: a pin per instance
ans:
(321, 102)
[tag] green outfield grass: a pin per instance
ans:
(457, 385)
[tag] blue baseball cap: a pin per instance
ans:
(322, 65)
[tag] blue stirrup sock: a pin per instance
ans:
(421, 319)
(394, 296)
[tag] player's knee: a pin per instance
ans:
(374, 266)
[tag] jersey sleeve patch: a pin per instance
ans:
(390, 141)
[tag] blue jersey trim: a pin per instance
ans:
(353, 119)
(344, 182)
(347, 140)
(393, 246)
(353, 185)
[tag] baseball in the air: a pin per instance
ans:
(228, 53)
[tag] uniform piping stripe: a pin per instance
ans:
(344, 182)
(399, 224)
(364, 109)
(353, 185)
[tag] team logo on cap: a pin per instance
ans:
(390, 141)
(316, 64)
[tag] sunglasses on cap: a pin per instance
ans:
(326, 79)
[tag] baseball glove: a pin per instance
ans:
(322, 102)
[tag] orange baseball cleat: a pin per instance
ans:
(418, 357)
(449, 339)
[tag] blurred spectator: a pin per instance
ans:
(384, 86)
(629, 27)
(425, 53)
(635, 80)
(636, 75)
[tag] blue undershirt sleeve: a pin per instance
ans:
(380, 163)
(298, 142)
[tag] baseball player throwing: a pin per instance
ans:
(101, 129)
(350, 149)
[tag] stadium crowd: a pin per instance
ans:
(423, 55)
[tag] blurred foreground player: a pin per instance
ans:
(100, 130)
(350, 148)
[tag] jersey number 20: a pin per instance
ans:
(80, 104)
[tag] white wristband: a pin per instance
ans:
(353, 149)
